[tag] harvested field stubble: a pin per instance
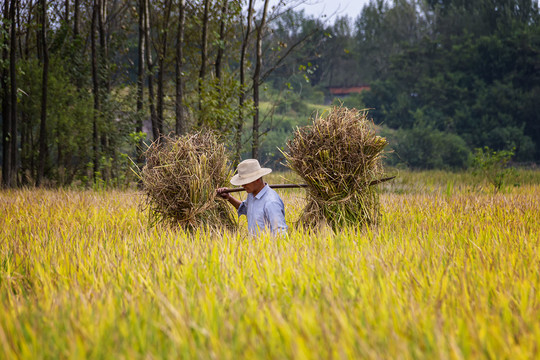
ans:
(180, 178)
(337, 156)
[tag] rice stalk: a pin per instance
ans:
(180, 178)
(337, 156)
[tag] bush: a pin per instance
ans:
(426, 148)
(492, 166)
(510, 138)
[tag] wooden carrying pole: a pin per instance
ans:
(294, 186)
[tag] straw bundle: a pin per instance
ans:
(180, 178)
(337, 156)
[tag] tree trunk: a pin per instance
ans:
(256, 83)
(219, 60)
(140, 77)
(204, 56)
(6, 109)
(221, 48)
(44, 88)
(13, 96)
(95, 87)
(181, 126)
(161, 67)
(104, 44)
(240, 123)
(19, 26)
(66, 12)
(76, 17)
(150, 64)
(27, 153)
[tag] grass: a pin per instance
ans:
(446, 274)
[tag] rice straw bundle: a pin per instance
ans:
(180, 178)
(337, 156)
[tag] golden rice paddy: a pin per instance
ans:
(451, 271)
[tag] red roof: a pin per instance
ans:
(348, 90)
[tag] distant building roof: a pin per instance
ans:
(335, 90)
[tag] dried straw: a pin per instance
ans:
(180, 178)
(337, 156)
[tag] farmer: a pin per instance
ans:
(263, 207)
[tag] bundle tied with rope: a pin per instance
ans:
(180, 178)
(338, 156)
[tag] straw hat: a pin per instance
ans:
(248, 171)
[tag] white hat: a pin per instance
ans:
(248, 171)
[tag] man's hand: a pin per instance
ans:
(221, 192)
(234, 202)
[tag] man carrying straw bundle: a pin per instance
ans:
(263, 207)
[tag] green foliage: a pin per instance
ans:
(220, 104)
(69, 114)
(456, 75)
(492, 166)
(474, 75)
(353, 101)
(423, 147)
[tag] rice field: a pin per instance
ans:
(450, 272)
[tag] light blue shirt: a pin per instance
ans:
(264, 211)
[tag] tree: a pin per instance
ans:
(242, 97)
(9, 114)
(44, 91)
(204, 56)
(95, 89)
(162, 53)
(181, 126)
(256, 81)
(150, 68)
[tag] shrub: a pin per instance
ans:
(492, 166)
(426, 148)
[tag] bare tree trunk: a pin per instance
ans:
(13, 95)
(221, 49)
(219, 59)
(19, 26)
(141, 64)
(26, 152)
(44, 88)
(204, 56)
(27, 35)
(79, 47)
(6, 106)
(150, 64)
(256, 83)
(104, 43)
(161, 66)
(66, 11)
(105, 80)
(95, 87)
(140, 77)
(181, 126)
(76, 17)
(240, 123)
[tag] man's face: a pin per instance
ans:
(251, 187)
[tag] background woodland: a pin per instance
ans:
(85, 84)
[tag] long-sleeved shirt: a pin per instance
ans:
(265, 211)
